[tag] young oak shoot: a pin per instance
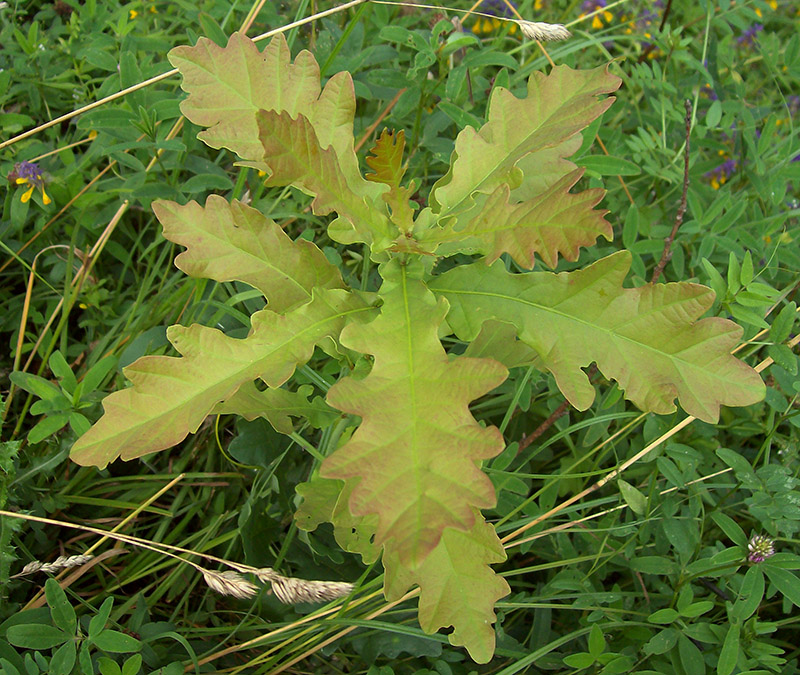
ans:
(407, 485)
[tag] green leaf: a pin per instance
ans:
(606, 165)
(691, 657)
(61, 610)
(741, 467)
(781, 326)
(418, 472)
(326, 501)
(579, 660)
(108, 666)
(730, 527)
(36, 385)
(61, 369)
(633, 497)
(132, 665)
(750, 594)
(276, 406)
(597, 642)
(785, 581)
(729, 654)
(98, 622)
(294, 156)
(37, 636)
(557, 107)
(653, 564)
(553, 223)
(171, 396)
(116, 642)
(63, 660)
(457, 586)
(666, 615)
(646, 338)
(231, 241)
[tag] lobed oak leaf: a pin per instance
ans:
(457, 586)
(171, 396)
(232, 241)
(522, 133)
(228, 85)
(387, 163)
(647, 338)
(552, 223)
(293, 154)
(325, 501)
(417, 449)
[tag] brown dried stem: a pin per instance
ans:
(667, 253)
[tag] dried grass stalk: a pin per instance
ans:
(544, 32)
(60, 563)
(290, 590)
(229, 583)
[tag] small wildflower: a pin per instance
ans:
(28, 173)
(761, 547)
(602, 14)
(748, 38)
(132, 14)
(719, 176)
(484, 25)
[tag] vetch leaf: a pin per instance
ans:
(645, 338)
(60, 609)
(172, 396)
(37, 636)
(417, 448)
(232, 241)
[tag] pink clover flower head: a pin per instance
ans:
(760, 548)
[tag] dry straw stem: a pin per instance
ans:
(288, 590)
(38, 600)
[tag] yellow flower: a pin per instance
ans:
(133, 14)
(538, 5)
(28, 173)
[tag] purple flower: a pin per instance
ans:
(761, 547)
(747, 38)
(498, 8)
(28, 173)
(720, 174)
